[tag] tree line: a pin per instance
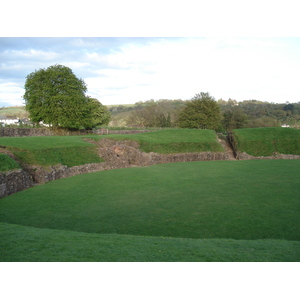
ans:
(231, 114)
(55, 96)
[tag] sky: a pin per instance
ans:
(127, 51)
(127, 70)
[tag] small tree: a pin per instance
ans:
(201, 112)
(57, 97)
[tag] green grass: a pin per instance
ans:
(52, 150)
(266, 141)
(44, 142)
(251, 207)
(73, 150)
(7, 163)
(23, 243)
(68, 156)
(173, 140)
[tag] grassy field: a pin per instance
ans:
(266, 141)
(197, 211)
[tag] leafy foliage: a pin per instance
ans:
(201, 112)
(57, 97)
(99, 113)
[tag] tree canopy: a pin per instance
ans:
(201, 112)
(57, 97)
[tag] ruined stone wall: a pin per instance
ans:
(246, 156)
(117, 154)
(18, 132)
(14, 181)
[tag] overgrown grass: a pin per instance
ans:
(173, 140)
(7, 163)
(266, 141)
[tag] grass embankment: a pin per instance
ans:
(52, 150)
(73, 150)
(173, 141)
(266, 141)
(7, 163)
(248, 211)
(22, 243)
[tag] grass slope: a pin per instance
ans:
(23, 243)
(52, 150)
(266, 141)
(173, 140)
(7, 163)
(73, 150)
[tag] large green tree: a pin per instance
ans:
(202, 112)
(57, 97)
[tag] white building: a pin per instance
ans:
(4, 120)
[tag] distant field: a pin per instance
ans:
(197, 211)
(17, 111)
(266, 141)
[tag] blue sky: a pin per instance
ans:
(127, 70)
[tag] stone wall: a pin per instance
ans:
(246, 156)
(117, 155)
(14, 181)
(18, 132)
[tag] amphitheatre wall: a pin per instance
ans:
(19, 132)
(117, 154)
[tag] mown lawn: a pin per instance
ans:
(266, 141)
(238, 211)
(23, 243)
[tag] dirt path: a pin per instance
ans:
(228, 149)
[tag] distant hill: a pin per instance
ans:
(14, 111)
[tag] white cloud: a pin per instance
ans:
(11, 94)
(129, 70)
